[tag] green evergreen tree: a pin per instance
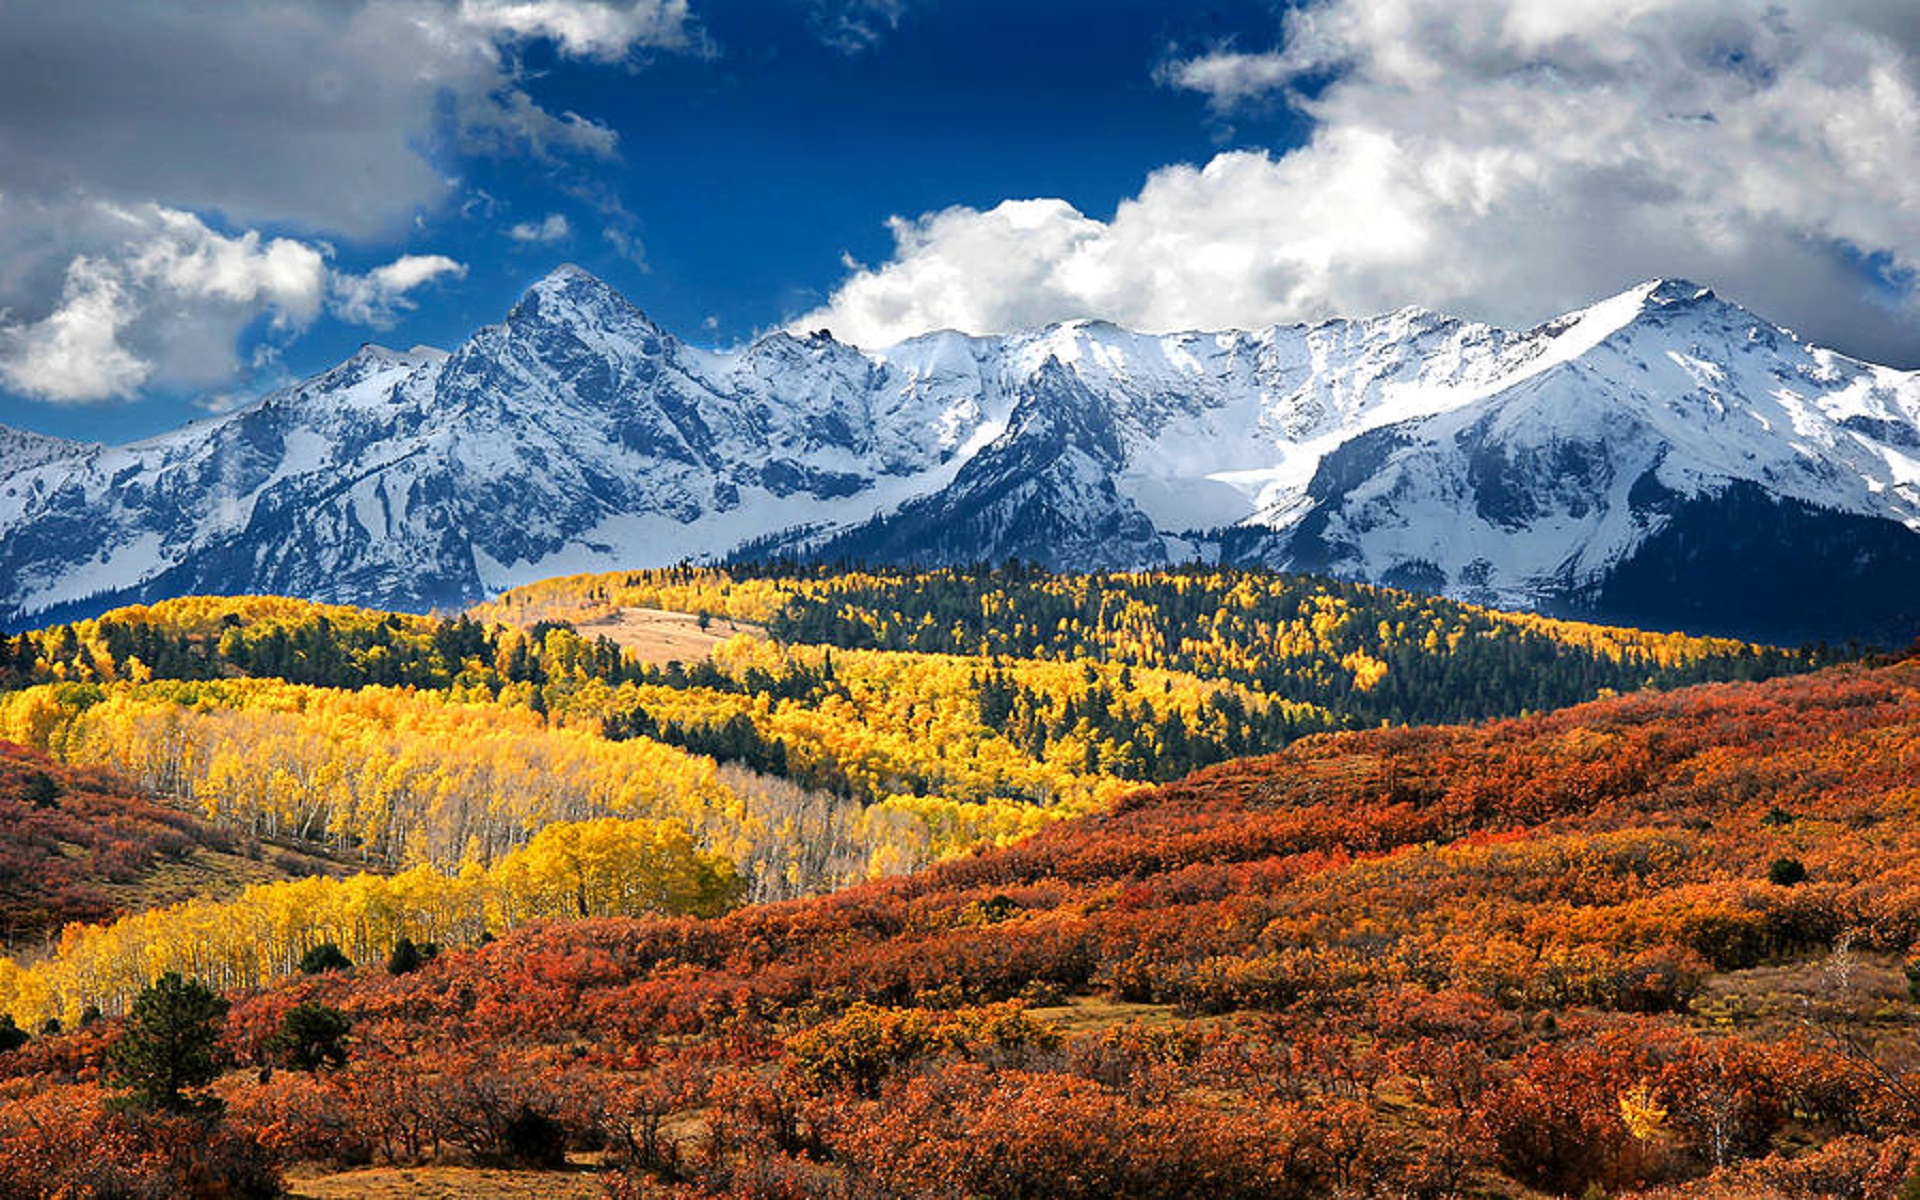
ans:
(311, 1036)
(405, 959)
(1786, 872)
(168, 1045)
(324, 957)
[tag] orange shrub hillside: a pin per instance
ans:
(1545, 956)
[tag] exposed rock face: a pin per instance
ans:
(1663, 457)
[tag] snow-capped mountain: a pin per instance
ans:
(1663, 456)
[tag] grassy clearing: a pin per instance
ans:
(1091, 1014)
(217, 875)
(658, 637)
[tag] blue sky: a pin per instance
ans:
(200, 202)
(750, 174)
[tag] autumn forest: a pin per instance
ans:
(954, 883)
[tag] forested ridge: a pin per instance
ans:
(511, 768)
(892, 719)
(1659, 945)
(1372, 654)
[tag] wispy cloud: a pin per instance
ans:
(854, 26)
(554, 228)
(378, 296)
(1230, 78)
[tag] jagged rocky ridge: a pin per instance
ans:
(1663, 457)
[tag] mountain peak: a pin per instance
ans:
(1665, 292)
(572, 295)
(373, 353)
(568, 273)
(1655, 303)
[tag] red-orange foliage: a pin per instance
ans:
(964, 1130)
(1417, 961)
(68, 832)
(60, 1140)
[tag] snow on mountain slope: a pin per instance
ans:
(1538, 488)
(574, 435)
(1042, 490)
(1521, 469)
(1572, 467)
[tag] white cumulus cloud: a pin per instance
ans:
(1504, 159)
(1023, 262)
(74, 354)
(587, 28)
(170, 302)
(124, 128)
(183, 258)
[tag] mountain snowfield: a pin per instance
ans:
(1662, 456)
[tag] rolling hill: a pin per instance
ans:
(82, 844)
(1649, 945)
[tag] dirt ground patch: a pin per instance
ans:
(448, 1183)
(658, 637)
